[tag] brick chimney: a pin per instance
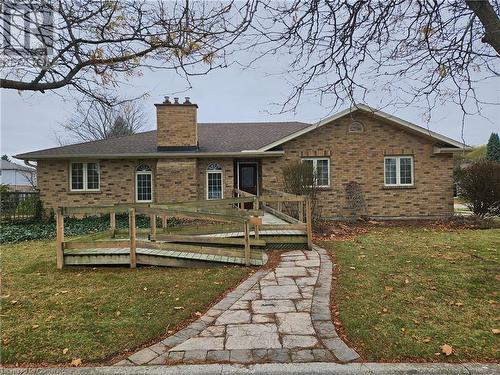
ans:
(177, 127)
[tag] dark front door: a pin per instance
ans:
(247, 177)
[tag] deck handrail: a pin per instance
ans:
(215, 209)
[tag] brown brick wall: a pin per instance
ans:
(117, 183)
(227, 176)
(176, 180)
(360, 158)
(176, 125)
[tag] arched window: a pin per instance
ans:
(214, 181)
(143, 183)
(356, 127)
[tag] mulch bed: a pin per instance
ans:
(348, 230)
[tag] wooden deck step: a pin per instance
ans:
(277, 232)
(119, 256)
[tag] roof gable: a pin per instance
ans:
(367, 109)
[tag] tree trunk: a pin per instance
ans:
(486, 14)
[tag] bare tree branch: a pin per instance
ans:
(95, 120)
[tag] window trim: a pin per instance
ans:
(150, 172)
(84, 176)
(315, 163)
(398, 170)
(218, 171)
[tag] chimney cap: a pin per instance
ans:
(167, 102)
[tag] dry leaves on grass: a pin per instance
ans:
(495, 331)
(447, 349)
(76, 362)
(65, 351)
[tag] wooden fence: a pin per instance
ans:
(18, 206)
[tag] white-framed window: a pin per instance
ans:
(321, 168)
(215, 186)
(398, 171)
(143, 183)
(84, 176)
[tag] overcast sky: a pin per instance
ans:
(29, 121)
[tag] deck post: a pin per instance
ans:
(256, 226)
(247, 243)
(309, 223)
(301, 211)
(112, 223)
(164, 222)
(131, 231)
(152, 221)
(59, 238)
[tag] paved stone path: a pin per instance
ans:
(280, 315)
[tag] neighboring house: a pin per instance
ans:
(403, 170)
(17, 177)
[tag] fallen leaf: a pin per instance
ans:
(446, 349)
(5, 296)
(64, 291)
(384, 310)
(197, 313)
(459, 304)
(389, 288)
(415, 321)
(49, 318)
(145, 288)
(495, 331)
(35, 326)
(13, 302)
(5, 341)
(426, 340)
(433, 288)
(178, 307)
(65, 351)
(352, 268)
(76, 362)
(118, 313)
(491, 302)
(407, 281)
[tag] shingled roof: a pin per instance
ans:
(212, 137)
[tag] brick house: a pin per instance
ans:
(403, 170)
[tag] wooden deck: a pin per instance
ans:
(267, 228)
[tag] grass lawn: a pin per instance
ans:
(94, 313)
(402, 293)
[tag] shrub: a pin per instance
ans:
(300, 179)
(12, 233)
(479, 186)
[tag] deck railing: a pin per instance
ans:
(230, 210)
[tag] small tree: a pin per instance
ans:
(300, 179)
(479, 186)
(96, 120)
(493, 148)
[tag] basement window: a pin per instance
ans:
(398, 171)
(214, 181)
(84, 176)
(143, 183)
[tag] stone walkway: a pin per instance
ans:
(280, 315)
